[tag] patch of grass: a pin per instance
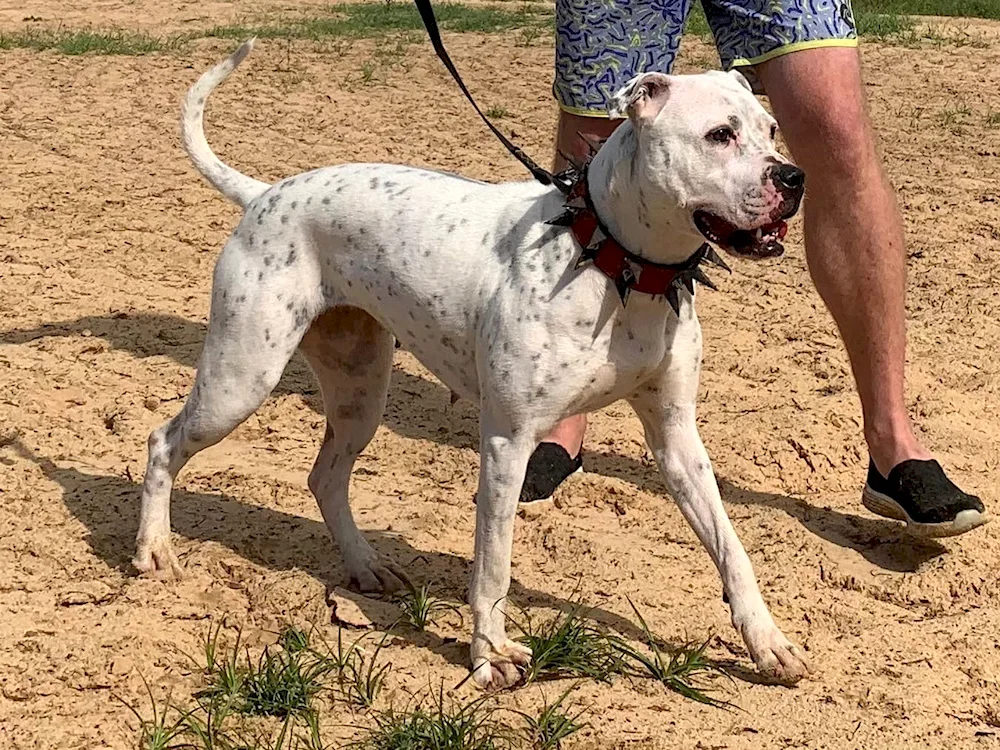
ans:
(361, 681)
(283, 681)
(993, 120)
(497, 113)
(159, 733)
(420, 607)
(963, 8)
(528, 36)
(571, 645)
(81, 42)
(680, 670)
(697, 24)
(552, 725)
(442, 726)
(361, 20)
(883, 26)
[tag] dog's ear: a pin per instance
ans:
(741, 79)
(642, 98)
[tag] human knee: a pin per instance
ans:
(819, 101)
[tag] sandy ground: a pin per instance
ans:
(107, 242)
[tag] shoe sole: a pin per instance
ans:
(547, 500)
(885, 506)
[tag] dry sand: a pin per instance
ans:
(107, 242)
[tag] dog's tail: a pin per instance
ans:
(238, 187)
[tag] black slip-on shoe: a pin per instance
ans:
(548, 467)
(920, 494)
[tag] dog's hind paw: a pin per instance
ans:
(156, 559)
(379, 576)
(502, 668)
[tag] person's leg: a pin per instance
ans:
(572, 132)
(588, 72)
(854, 247)
(854, 235)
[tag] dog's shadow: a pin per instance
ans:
(143, 334)
(154, 334)
(108, 507)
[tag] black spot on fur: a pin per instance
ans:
(292, 255)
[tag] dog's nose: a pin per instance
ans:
(789, 177)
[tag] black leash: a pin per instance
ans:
(562, 182)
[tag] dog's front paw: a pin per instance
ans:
(501, 668)
(156, 559)
(775, 656)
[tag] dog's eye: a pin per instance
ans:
(774, 131)
(725, 134)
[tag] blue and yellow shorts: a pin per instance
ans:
(601, 44)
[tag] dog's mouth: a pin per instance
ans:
(760, 242)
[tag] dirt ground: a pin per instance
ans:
(107, 242)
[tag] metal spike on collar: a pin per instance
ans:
(713, 257)
(574, 163)
(674, 299)
(624, 285)
(688, 278)
(596, 239)
(587, 256)
(565, 219)
(702, 278)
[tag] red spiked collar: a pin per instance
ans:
(628, 271)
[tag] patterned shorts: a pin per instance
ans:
(601, 44)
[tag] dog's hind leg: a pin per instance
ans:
(351, 355)
(251, 336)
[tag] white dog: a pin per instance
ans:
(470, 278)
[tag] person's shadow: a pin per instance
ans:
(146, 334)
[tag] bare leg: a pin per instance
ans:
(851, 222)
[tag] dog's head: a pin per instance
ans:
(706, 151)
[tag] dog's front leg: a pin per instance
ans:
(503, 461)
(672, 435)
